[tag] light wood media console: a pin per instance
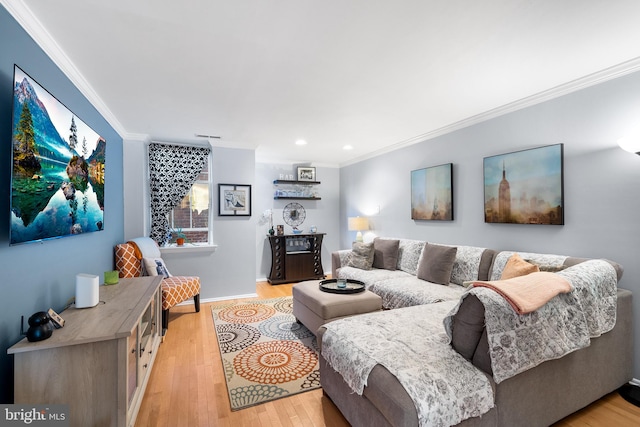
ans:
(100, 362)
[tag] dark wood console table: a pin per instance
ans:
(296, 257)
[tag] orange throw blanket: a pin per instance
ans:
(528, 293)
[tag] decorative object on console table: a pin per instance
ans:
(296, 257)
(294, 215)
(358, 224)
(111, 277)
(267, 218)
(432, 193)
(532, 178)
(40, 327)
(234, 200)
(87, 294)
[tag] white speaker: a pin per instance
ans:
(87, 294)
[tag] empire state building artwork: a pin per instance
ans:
(525, 187)
(504, 198)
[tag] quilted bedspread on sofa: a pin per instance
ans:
(563, 325)
(411, 343)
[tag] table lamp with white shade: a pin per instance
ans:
(358, 224)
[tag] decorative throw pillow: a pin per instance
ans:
(516, 266)
(436, 263)
(361, 256)
(155, 267)
(385, 253)
(409, 254)
(468, 325)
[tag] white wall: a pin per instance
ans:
(601, 182)
(136, 188)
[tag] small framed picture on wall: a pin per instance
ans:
(306, 173)
(234, 200)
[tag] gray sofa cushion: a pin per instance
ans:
(548, 263)
(408, 290)
(469, 336)
(468, 325)
(408, 255)
(361, 256)
(385, 254)
(472, 263)
(436, 263)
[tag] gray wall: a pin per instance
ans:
(226, 273)
(229, 271)
(324, 213)
(601, 182)
(39, 276)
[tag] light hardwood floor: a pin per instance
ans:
(187, 386)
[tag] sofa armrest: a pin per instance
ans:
(337, 258)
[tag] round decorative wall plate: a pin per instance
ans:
(294, 214)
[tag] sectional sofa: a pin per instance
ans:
(436, 356)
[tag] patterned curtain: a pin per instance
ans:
(173, 169)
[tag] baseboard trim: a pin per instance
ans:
(206, 300)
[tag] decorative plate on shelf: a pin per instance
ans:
(294, 214)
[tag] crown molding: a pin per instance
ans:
(596, 78)
(24, 16)
(35, 29)
(135, 137)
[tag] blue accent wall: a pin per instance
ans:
(39, 276)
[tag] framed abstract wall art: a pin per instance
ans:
(432, 193)
(525, 187)
(234, 200)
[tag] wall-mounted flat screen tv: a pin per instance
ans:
(57, 179)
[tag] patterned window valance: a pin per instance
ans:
(172, 171)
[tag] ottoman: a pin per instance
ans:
(313, 307)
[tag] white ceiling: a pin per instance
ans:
(374, 74)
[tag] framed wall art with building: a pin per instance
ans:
(525, 187)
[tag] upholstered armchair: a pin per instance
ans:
(141, 257)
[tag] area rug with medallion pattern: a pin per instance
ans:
(265, 353)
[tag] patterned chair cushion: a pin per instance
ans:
(127, 263)
(176, 289)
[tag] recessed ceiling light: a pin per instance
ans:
(301, 142)
(348, 147)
